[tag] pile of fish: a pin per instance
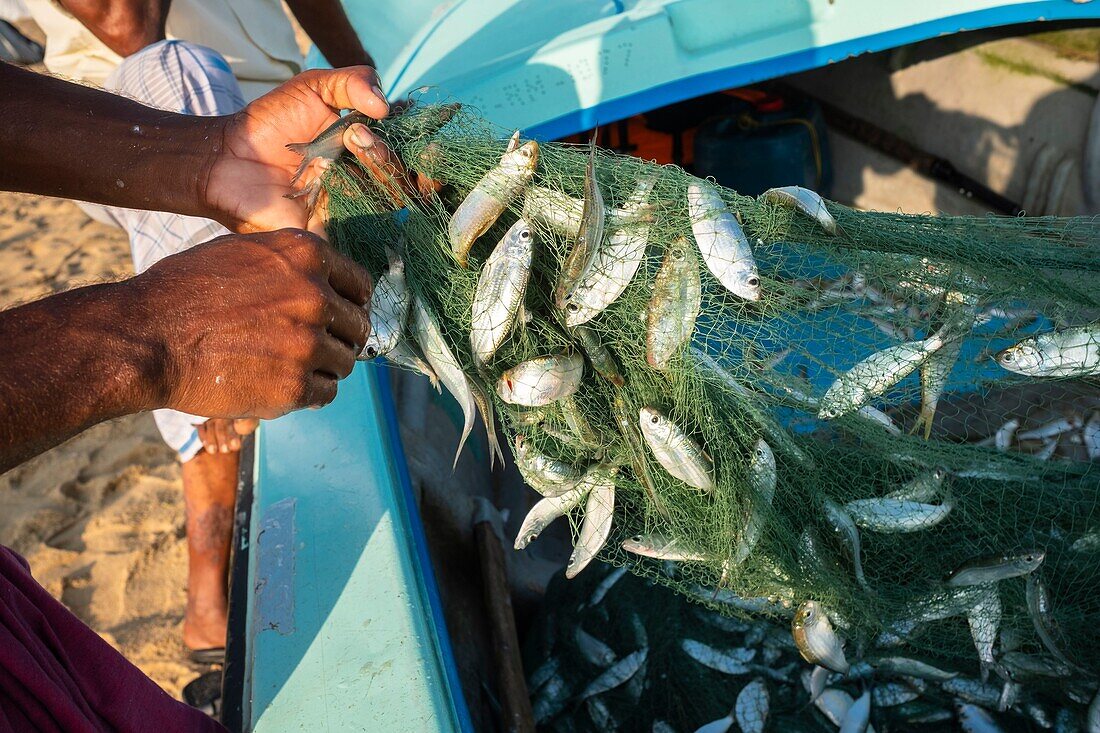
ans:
(559, 265)
(600, 660)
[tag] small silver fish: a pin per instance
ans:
(541, 380)
(982, 570)
(598, 355)
(934, 375)
(762, 478)
(606, 585)
(601, 715)
(407, 355)
(721, 241)
(675, 451)
(721, 725)
(662, 547)
(892, 694)
(488, 417)
(972, 690)
(819, 678)
(843, 525)
(599, 510)
(804, 200)
(894, 516)
(816, 640)
(984, 620)
(873, 376)
(1023, 666)
(1074, 352)
(615, 675)
(578, 424)
(443, 362)
(501, 288)
(674, 306)
(1042, 616)
(858, 716)
(974, 719)
(550, 700)
(543, 674)
(389, 310)
(834, 704)
(924, 487)
(752, 706)
(732, 661)
(594, 651)
(614, 265)
(548, 476)
(628, 428)
(547, 510)
(589, 237)
(1052, 429)
(913, 668)
(491, 196)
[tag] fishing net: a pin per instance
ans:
(1004, 470)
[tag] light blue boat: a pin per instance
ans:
(336, 621)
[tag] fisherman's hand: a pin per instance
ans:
(255, 325)
(221, 435)
(248, 176)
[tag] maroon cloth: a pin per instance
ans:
(56, 674)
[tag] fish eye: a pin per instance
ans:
(1006, 356)
(572, 307)
(1029, 557)
(524, 234)
(531, 538)
(754, 281)
(371, 352)
(636, 538)
(678, 254)
(655, 419)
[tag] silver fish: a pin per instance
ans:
(491, 196)
(541, 380)
(858, 716)
(601, 715)
(543, 674)
(605, 585)
(752, 706)
(923, 488)
(488, 417)
(675, 451)
(804, 200)
(578, 425)
(548, 476)
(614, 265)
(972, 690)
(550, 700)
(674, 305)
(892, 694)
(389, 310)
(594, 651)
(913, 668)
(662, 547)
(1010, 694)
(547, 510)
(628, 428)
(407, 355)
(732, 662)
(721, 725)
(934, 374)
(722, 242)
(596, 527)
(762, 478)
(982, 570)
(598, 355)
(501, 288)
(615, 675)
(984, 620)
(1074, 352)
(842, 523)
(444, 363)
(558, 211)
(816, 640)
(873, 376)
(589, 237)
(1052, 429)
(894, 516)
(835, 705)
(974, 719)
(819, 678)
(1042, 616)
(1022, 666)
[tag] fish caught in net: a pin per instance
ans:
(880, 428)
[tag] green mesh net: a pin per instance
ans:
(948, 493)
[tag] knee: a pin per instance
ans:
(180, 76)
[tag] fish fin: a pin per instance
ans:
(299, 148)
(513, 143)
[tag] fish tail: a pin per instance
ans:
(299, 148)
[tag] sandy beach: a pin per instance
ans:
(100, 518)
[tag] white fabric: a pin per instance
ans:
(254, 36)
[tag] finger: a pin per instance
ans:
(232, 439)
(318, 215)
(352, 87)
(245, 426)
(350, 323)
(333, 357)
(221, 435)
(206, 435)
(320, 390)
(382, 163)
(349, 279)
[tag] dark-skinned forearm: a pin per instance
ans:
(62, 139)
(73, 360)
(327, 25)
(124, 26)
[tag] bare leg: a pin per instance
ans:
(209, 487)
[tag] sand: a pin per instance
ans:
(100, 518)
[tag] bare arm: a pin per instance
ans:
(327, 25)
(253, 325)
(124, 26)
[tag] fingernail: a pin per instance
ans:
(225, 448)
(236, 444)
(361, 136)
(378, 91)
(210, 449)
